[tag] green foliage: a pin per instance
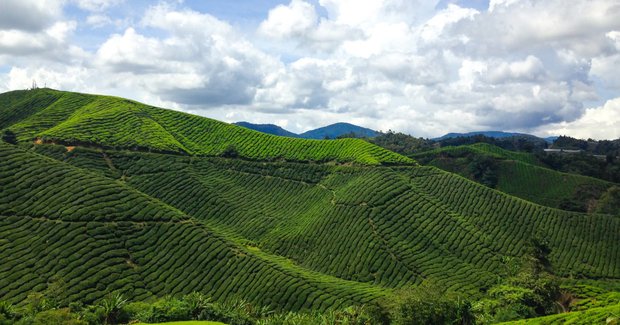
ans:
(484, 170)
(57, 317)
(112, 307)
(429, 304)
(276, 227)
(518, 174)
(530, 293)
(230, 152)
(610, 201)
(401, 143)
(9, 136)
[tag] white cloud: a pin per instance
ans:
(202, 60)
(405, 65)
(97, 5)
(294, 19)
(29, 15)
(597, 123)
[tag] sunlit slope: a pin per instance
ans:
(518, 174)
(112, 122)
(98, 235)
(380, 225)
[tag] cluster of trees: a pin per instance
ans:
(583, 164)
(484, 170)
(597, 147)
(401, 143)
(516, 143)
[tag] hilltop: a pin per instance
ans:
(110, 195)
(332, 131)
(267, 128)
(496, 135)
(338, 129)
(79, 119)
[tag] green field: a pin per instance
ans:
(296, 234)
(519, 174)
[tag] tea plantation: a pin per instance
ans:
(110, 195)
(518, 174)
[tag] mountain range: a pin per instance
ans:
(332, 131)
(495, 134)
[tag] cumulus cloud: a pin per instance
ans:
(97, 5)
(421, 67)
(201, 60)
(600, 123)
(29, 15)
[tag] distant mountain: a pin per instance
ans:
(335, 130)
(551, 139)
(494, 134)
(490, 134)
(267, 128)
(332, 131)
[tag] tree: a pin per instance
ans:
(482, 169)
(112, 306)
(610, 201)
(9, 137)
(430, 304)
(230, 152)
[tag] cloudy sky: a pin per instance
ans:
(423, 67)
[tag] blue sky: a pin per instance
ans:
(423, 67)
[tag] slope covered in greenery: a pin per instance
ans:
(61, 222)
(101, 216)
(111, 122)
(518, 174)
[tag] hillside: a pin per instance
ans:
(267, 128)
(335, 130)
(497, 135)
(519, 174)
(72, 118)
(120, 196)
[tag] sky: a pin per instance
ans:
(422, 67)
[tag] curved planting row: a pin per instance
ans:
(39, 187)
(95, 249)
(389, 226)
(581, 244)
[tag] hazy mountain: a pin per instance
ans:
(267, 128)
(335, 130)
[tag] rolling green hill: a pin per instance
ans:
(72, 118)
(103, 214)
(521, 175)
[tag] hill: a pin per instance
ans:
(519, 174)
(79, 119)
(267, 128)
(333, 131)
(495, 134)
(90, 205)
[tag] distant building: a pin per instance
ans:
(562, 151)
